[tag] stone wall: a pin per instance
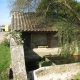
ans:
(18, 61)
(56, 72)
(40, 39)
(54, 41)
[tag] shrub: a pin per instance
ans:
(45, 63)
(6, 42)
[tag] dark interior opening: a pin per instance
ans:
(31, 65)
(26, 37)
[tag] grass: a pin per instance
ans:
(77, 77)
(45, 63)
(4, 59)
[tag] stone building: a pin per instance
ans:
(39, 39)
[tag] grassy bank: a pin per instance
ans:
(4, 59)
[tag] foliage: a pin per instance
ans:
(6, 42)
(63, 14)
(77, 77)
(4, 61)
(67, 37)
(17, 37)
(22, 5)
(45, 63)
(59, 9)
(50, 8)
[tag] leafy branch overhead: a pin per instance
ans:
(60, 9)
(63, 14)
(51, 9)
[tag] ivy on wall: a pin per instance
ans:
(67, 38)
(17, 37)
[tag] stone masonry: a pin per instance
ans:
(18, 61)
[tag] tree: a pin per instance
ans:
(63, 14)
(22, 5)
(58, 8)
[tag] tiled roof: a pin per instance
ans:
(28, 22)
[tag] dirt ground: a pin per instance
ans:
(2, 36)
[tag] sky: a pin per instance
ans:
(5, 17)
(4, 13)
(78, 0)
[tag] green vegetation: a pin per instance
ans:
(4, 59)
(49, 8)
(77, 77)
(5, 43)
(17, 37)
(45, 63)
(63, 14)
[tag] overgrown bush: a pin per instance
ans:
(67, 38)
(6, 42)
(17, 37)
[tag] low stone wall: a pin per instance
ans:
(37, 53)
(56, 72)
(43, 51)
(18, 62)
